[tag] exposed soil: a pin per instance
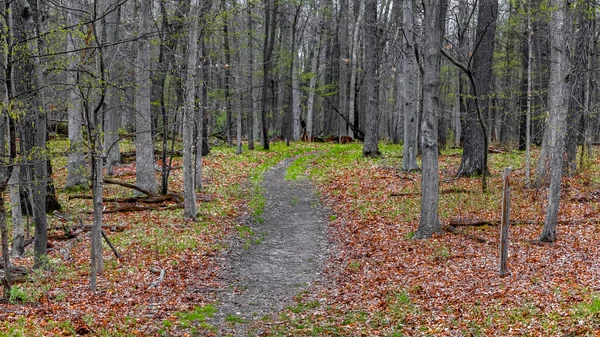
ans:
(284, 256)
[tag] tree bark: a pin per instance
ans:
(352, 115)
(112, 108)
(250, 75)
(76, 167)
(475, 144)
(144, 155)
(434, 25)
(558, 104)
(371, 147)
(269, 43)
(189, 115)
(410, 89)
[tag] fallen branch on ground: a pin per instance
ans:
(585, 197)
(154, 199)
(156, 283)
(134, 208)
(444, 191)
(456, 231)
(461, 222)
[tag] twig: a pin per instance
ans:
(110, 244)
(161, 277)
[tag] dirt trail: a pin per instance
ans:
(285, 256)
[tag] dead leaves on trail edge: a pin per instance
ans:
(380, 282)
(377, 282)
(169, 274)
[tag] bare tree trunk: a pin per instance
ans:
(250, 75)
(558, 104)
(434, 25)
(473, 159)
(145, 177)
(410, 90)
(228, 113)
(18, 246)
(112, 109)
(97, 264)
(269, 43)
(589, 98)
(76, 167)
(343, 65)
(529, 98)
(371, 147)
(314, 70)
(40, 158)
(188, 115)
(354, 65)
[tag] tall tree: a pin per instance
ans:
(474, 155)
(76, 171)
(352, 115)
(434, 12)
(144, 147)
(372, 50)
(189, 114)
(112, 108)
(558, 105)
(268, 45)
(410, 89)
(250, 74)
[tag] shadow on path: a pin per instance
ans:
(285, 256)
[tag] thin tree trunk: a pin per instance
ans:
(250, 75)
(227, 79)
(76, 167)
(352, 115)
(269, 43)
(112, 109)
(189, 192)
(18, 246)
(410, 90)
(314, 69)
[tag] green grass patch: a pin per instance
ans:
(297, 170)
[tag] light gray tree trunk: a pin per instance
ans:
(198, 186)
(434, 19)
(189, 192)
(144, 148)
(112, 109)
(296, 93)
(39, 155)
(251, 125)
(371, 147)
(76, 170)
(558, 104)
(410, 89)
(18, 246)
(312, 84)
(344, 65)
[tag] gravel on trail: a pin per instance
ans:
(284, 256)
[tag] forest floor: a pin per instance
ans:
(180, 278)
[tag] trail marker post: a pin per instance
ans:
(504, 222)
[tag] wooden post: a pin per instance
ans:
(504, 222)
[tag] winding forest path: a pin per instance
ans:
(285, 255)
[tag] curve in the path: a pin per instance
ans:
(288, 255)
